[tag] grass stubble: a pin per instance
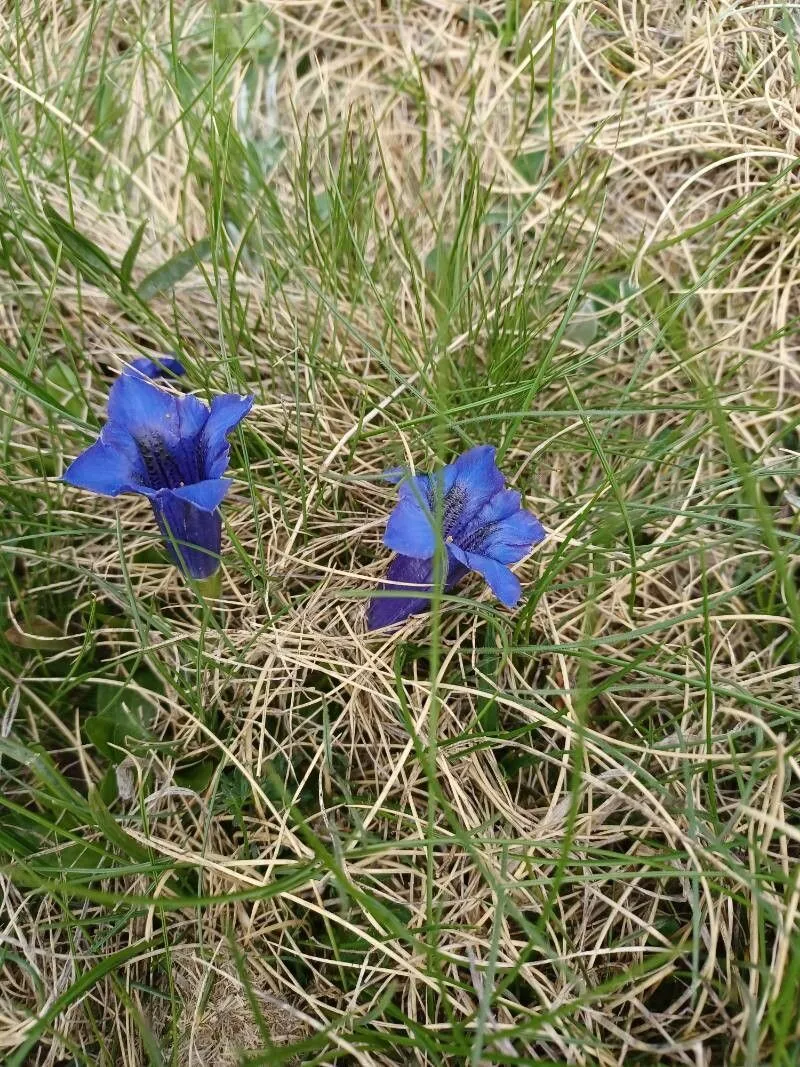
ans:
(241, 829)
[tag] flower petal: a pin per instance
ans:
(393, 475)
(206, 495)
(227, 411)
(500, 506)
(459, 490)
(193, 535)
(417, 488)
(143, 410)
(410, 530)
(476, 474)
(102, 469)
(156, 368)
(395, 603)
(511, 539)
(503, 582)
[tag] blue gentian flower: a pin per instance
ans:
(480, 524)
(159, 367)
(173, 450)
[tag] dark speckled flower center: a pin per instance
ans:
(473, 540)
(162, 467)
(452, 507)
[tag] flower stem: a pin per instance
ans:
(210, 588)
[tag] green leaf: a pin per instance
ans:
(79, 250)
(530, 165)
(112, 830)
(252, 31)
(472, 13)
(122, 720)
(437, 262)
(38, 633)
(322, 207)
(197, 776)
(109, 696)
(129, 259)
(56, 787)
(107, 787)
(66, 388)
(582, 328)
(612, 292)
(170, 273)
(187, 86)
(112, 734)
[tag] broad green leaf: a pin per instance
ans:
(113, 831)
(122, 719)
(473, 13)
(111, 735)
(174, 270)
(78, 249)
(66, 388)
(437, 262)
(38, 633)
(530, 165)
(582, 329)
(129, 259)
(197, 776)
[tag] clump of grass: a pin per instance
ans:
(243, 830)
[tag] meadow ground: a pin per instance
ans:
(241, 829)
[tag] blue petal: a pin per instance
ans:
(393, 475)
(477, 471)
(410, 530)
(152, 368)
(502, 505)
(389, 609)
(417, 488)
(206, 495)
(164, 430)
(227, 411)
(102, 469)
(193, 535)
(395, 603)
(512, 538)
(469, 483)
(140, 408)
(504, 583)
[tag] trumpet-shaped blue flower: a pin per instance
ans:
(173, 450)
(480, 525)
(159, 367)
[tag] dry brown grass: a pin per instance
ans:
(673, 127)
